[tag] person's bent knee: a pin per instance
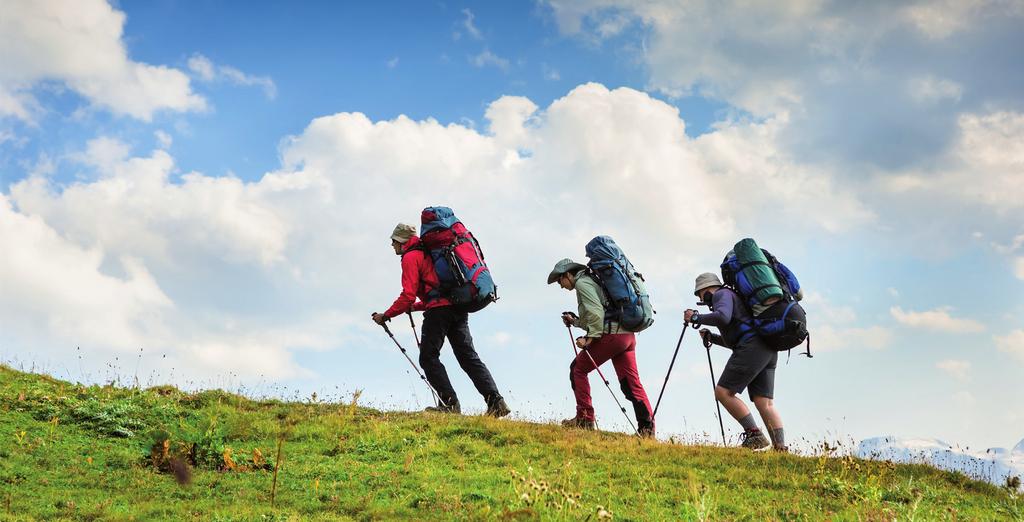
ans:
(763, 402)
(724, 393)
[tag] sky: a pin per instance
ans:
(202, 193)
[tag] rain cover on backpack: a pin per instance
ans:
(628, 301)
(458, 260)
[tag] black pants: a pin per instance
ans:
(442, 322)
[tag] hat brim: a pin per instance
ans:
(705, 287)
(555, 274)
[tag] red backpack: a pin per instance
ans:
(458, 260)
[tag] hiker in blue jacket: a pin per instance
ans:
(751, 366)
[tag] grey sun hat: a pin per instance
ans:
(706, 280)
(403, 233)
(564, 267)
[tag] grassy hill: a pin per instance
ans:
(105, 453)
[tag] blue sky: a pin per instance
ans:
(215, 183)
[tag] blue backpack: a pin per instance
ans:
(628, 302)
(771, 291)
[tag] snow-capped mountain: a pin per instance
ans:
(994, 465)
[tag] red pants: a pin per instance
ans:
(621, 349)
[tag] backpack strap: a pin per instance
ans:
(606, 298)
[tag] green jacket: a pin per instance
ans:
(591, 299)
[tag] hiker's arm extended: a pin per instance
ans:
(722, 303)
(410, 283)
(591, 309)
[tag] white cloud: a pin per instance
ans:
(766, 57)
(985, 166)
(829, 338)
(1011, 343)
(1018, 268)
(510, 118)
(215, 268)
(163, 139)
(958, 369)
(940, 19)
(929, 89)
(486, 58)
(871, 96)
(205, 70)
(202, 67)
(51, 284)
(938, 320)
(79, 44)
(469, 26)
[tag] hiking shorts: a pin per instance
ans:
(751, 367)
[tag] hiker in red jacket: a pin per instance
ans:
(440, 320)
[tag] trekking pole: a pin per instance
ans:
(413, 325)
(606, 384)
(433, 392)
(670, 365)
(707, 346)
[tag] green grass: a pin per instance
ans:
(87, 453)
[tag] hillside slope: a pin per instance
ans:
(106, 453)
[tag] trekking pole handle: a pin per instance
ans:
(706, 339)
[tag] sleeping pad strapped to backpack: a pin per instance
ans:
(461, 270)
(771, 291)
(628, 301)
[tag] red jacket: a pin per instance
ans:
(418, 278)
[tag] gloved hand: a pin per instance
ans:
(705, 335)
(688, 315)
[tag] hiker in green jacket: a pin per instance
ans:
(604, 341)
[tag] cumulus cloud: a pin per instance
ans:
(79, 43)
(51, 284)
(207, 71)
(986, 165)
(938, 320)
(879, 90)
(1012, 344)
(216, 269)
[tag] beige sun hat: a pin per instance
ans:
(403, 232)
(564, 267)
(706, 280)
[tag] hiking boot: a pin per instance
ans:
(453, 407)
(781, 448)
(755, 440)
(646, 430)
(579, 422)
(496, 407)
